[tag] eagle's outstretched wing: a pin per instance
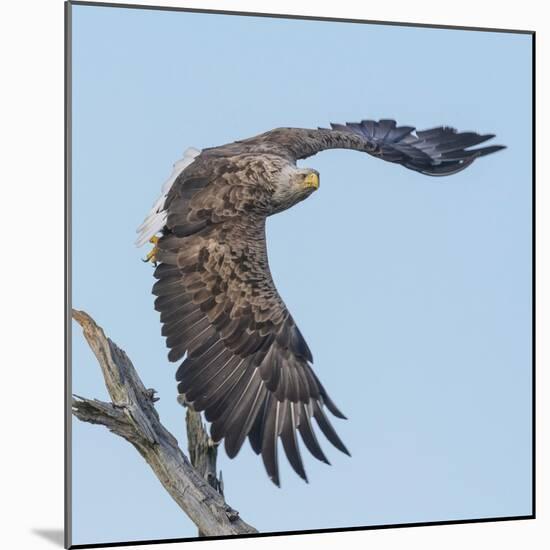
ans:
(438, 151)
(246, 363)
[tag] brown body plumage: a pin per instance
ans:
(244, 361)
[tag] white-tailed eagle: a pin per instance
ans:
(244, 361)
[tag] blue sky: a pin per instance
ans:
(413, 293)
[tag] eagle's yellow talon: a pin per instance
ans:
(152, 256)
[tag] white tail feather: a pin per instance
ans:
(156, 219)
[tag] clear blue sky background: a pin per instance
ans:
(413, 292)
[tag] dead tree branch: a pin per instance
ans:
(132, 415)
(203, 452)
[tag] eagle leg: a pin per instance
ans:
(152, 256)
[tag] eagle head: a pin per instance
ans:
(293, 185)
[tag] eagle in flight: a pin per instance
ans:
(244, 361)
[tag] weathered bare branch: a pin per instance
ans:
(203, 452)
(132, 415)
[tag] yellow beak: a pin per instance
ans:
(312, 180)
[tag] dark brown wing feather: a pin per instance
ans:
(438, 151)
(245, 362)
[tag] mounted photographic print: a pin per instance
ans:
(300, 267)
